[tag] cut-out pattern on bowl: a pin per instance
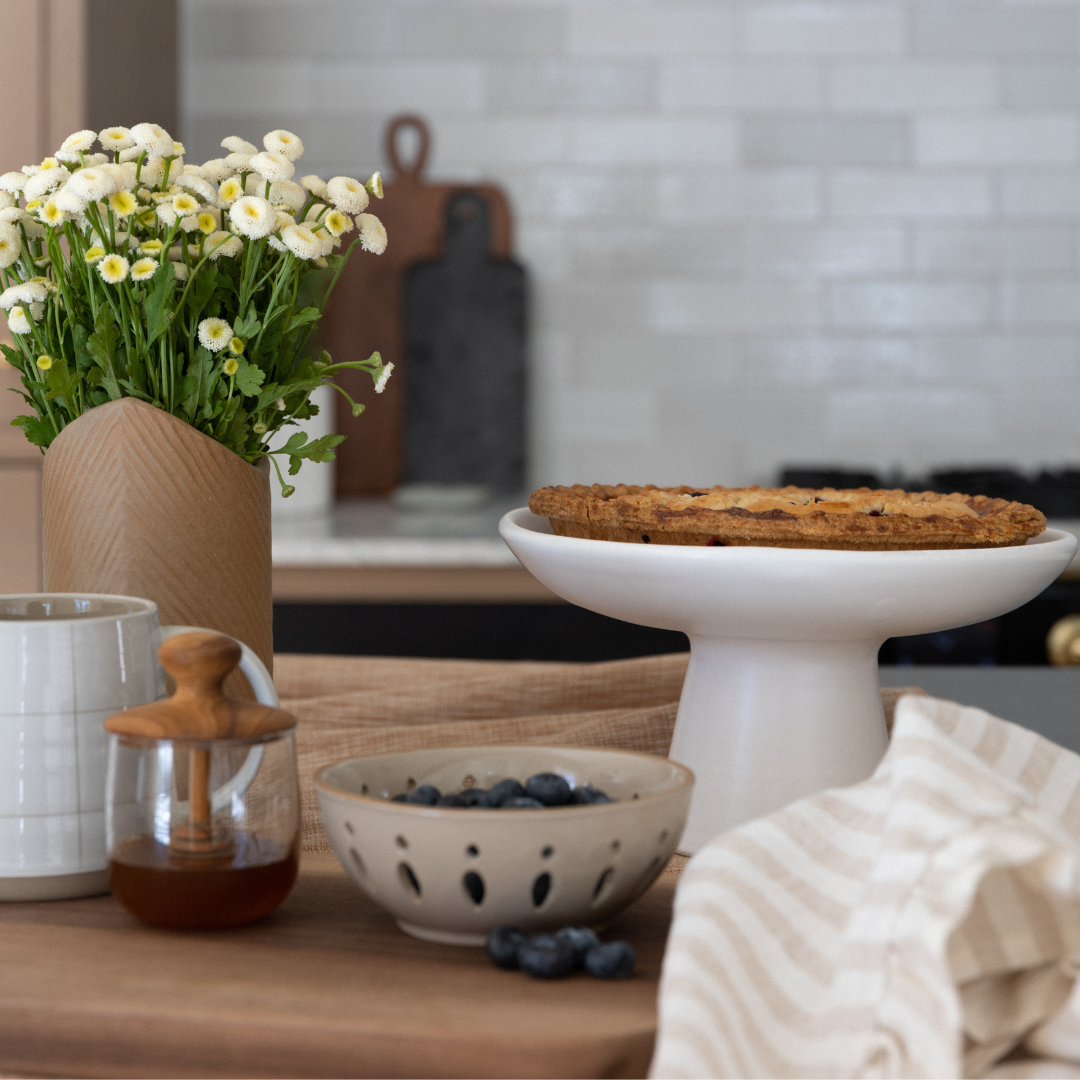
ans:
(603, 886)
(409, 880)
(474, 886)
(541, 889)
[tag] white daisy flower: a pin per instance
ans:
(347, 194)
(316, 186)
(37, 311)
(71, 203)
(176, 253)
(92, 184)
(181, 270)
(384, 377)
(152, 171)
(185, 203)
(34, 229)
(316, 211)
(123, 175)
(198, 185)
(167, 215)
(338, 223)
(143, 269)
(113, 269)
(286, 193)
(239, 162)
(7, 199)
(13, 182)
(189, 223)
(276, 244)
(374, 185)
(116, 138)
(283, 142)
(254, 184)
(222, 245)
(45, 181)
(326, 241)
(320, 262)
(151, 247)
(68, 158)
(93, 255)
(10, 245)
(51, 214)
(177, 149)
(152, 138)
(123, 203)
(235, 145)
(283, 220)
(215, 334)
(11, 214)
(301, 241)
(372, 233)
(215, 170)
(230, 190)
(252, 216)
(17, 321)
(79, 142)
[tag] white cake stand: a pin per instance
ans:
(781, 698)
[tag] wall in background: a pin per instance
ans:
(759, 231)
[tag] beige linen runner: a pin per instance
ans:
(923, 923)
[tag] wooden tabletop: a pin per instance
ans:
(327, 986)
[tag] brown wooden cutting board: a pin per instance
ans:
(325, 986)
(366, 310)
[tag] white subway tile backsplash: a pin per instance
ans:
(912, 86)
(827, 251)
(859, 219)
(779, 195)
(825, 27)
(728, 86)
(990, 27)
(1041, 302)
(733, 307)
(1035, 138)
(642, 28)
(910, 305)
(836, 141)
(651, 140)
(988, 249)
(1040, 194)
(910, 194)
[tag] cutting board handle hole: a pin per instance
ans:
(417, 139)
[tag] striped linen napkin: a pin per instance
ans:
(924, 923)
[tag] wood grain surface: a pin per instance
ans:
(138, 503)
(326, 986)
(366, 310)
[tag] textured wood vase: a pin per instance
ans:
(136, 502)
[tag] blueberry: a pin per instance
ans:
(400, 798)
(587, 795)
(424, 795)
(451, 800)
(472, 796)
(549, 788)
(503, 945)
(582, 938)
(547, 956)
(615, 960)
(522, 802)
(503, 790)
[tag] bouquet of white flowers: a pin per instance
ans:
(195, 288)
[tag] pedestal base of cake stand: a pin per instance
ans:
(781, 697)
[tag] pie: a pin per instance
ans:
(856, 519)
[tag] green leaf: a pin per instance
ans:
(248, 378)
(84, 361)
(308, 315)
(13, 357)
(195, 387)
(157, 310)
(246, 327)
(102, 347)
(62, 384)
(34, 429)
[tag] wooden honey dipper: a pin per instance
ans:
(199, 711)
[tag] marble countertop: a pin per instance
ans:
(376, 533)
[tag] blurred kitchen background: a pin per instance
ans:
(756, 236)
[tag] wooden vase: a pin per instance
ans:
(138, 503)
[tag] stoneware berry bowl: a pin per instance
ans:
(450, 874)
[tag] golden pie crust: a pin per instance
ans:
(856, 519)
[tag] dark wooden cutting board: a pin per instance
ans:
(465, 360)
(366, 311)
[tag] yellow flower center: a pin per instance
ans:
(44, 362)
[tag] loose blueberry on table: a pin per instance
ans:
(554, 956)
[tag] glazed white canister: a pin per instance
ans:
(68, 662)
